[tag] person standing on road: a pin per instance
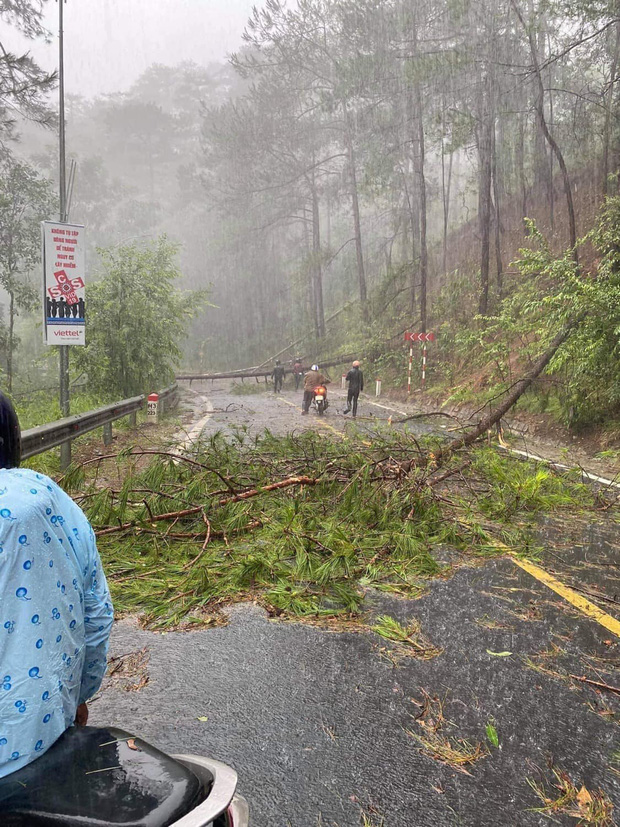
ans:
(298, 372)
(355, 378)
(55, 608)
(313, 378)
(278, 377)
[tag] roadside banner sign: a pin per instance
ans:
(419, 337)
(63, 283)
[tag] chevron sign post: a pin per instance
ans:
(418, 337)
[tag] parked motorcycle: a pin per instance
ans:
(95, 777)
(319, 400)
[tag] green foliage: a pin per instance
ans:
(40, 408)
(524, 487)
(26, 199)
(550, 293)
(23, 84)
(590, 361)
(492, 736)
(555, 291)
(136, 319)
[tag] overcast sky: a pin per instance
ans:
(108, 43)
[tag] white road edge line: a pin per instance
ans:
(343, 395)
(194, 435)
(536, 458)
(387, 408)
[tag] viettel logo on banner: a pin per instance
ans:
(64, 308)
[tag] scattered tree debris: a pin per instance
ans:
(565, 798)
(598, 684)
(410, 638)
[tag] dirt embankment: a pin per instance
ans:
(463, 250)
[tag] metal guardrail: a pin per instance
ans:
(40, 439)
(254, 374)
(44, 437)
(168, 393)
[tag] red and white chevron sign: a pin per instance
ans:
(419, 337)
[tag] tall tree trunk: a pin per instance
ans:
(419, 151)
(405, 221)
(317, 266)
(540, 112)
(485, 163)
(311, 285)
(357, 226)
(609, 105)
(541, 159)
(445, 195)
(410, 139)
(498, 220)
(412, 222)
(408, 173)
(551, 173)
(328, 217)
(520, 161)
(9, 352)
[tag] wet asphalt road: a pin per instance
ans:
(320, 724)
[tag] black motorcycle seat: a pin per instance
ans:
(99, 778)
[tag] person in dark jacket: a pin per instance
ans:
(278, 376)
(355, 378)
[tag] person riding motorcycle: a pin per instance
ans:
(313, 378)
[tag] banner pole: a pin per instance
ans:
(63, 350)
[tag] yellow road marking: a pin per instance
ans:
(570, 595)
(573, 597)
(287, 401)
(331, 428)
(319, 421)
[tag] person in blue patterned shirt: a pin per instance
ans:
(55, 608)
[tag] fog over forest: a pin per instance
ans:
(109, 43)
(349, 170)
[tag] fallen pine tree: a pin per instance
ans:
(305, 524)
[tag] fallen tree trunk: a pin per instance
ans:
(251, 373)
(197, 509)
(518, 389)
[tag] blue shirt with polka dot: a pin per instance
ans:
(55, 615)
